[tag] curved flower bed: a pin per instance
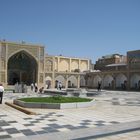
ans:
(55, 102)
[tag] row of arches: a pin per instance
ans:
(23, 67)
(119, 81)
(66, 65)
(71, 81)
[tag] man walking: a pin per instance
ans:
(1, 93)
(99, 86)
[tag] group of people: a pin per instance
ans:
(1, 93)
(34, 88)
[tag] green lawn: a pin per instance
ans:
(55, 99)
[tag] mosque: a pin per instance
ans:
(28, 63)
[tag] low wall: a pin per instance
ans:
(54, 105)
(73, 92)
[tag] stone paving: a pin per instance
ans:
(112, 108)
(127, 136)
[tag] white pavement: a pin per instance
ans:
(111, 108)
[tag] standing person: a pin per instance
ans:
(1, 93)
(99, 86)
(36, 88)
(41, 90)
(60, 85)
(32, 87)
(57, 84)
(49, 83)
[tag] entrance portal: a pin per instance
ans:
(22, 68)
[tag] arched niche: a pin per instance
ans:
(61, 79)
(134, 81)
(107, 81)
(82, 81)
(96, 80)
(121, 80)
(48, 82)
(72, 82)
(22, 68)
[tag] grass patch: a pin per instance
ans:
(9, 90)
(55, 99)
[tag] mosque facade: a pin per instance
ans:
(28, 63)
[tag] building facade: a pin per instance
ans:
(68, 71)
(104, 62)
(116, 72)
(27, 63)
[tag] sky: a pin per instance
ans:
(75, 28)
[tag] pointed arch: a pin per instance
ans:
(107, 81)
(48, 82)
(120, 80)
(82, 81)
(134, 81)
(49, 65)
(72, 81)
(96, 80)
(64, 65)
(22, 67)
(61, 79)
(22, 50)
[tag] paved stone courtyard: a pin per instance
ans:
(115, 115)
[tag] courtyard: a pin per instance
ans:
(115, 115)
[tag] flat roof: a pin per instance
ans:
(118, 64)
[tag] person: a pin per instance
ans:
(57, 84)
(139, 84)
(49, 83)
(36, 88)
(60, 85)
(41, 89)
(46, 86)
(1, 93)
(99, 86)
(109, 85)
(32, 87)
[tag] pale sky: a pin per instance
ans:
(75, 28)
